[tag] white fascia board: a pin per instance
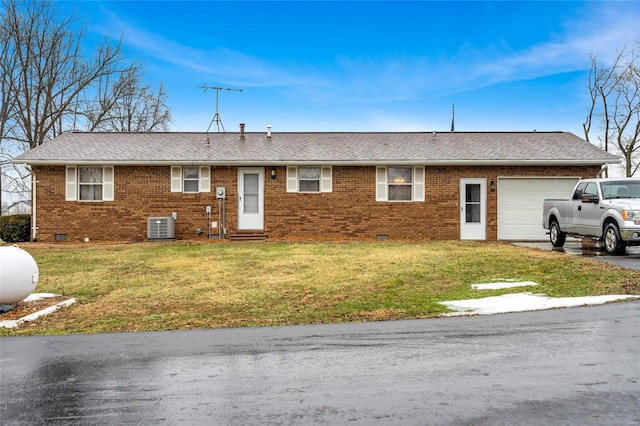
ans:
(249, 163)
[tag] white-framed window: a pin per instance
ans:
(309, 179)
(89, 183)
(190, 179)
(400, 183)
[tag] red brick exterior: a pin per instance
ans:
(350, 211)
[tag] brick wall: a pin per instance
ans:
(349, 212)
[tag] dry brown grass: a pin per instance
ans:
(162, 286)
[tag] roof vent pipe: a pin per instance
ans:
(269, 131)
(242, 130)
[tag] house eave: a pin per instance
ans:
(292, 162)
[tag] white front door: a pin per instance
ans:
(251, 198)
(473, 209)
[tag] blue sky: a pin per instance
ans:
(371, 66)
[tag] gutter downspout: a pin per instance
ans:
(603, 171)
(34, 227)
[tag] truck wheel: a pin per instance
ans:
(613, 243)
(556, 236)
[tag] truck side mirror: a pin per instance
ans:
(589, 198)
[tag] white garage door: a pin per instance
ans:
(520, 205)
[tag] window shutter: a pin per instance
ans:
(107, 183)
(176, 179)
(325, 183)
(418, 183)
(205, 179)
(72, 183)
(292, 179)
(381, 184)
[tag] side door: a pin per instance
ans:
(473, 209)
(586, 220)
(591, 212)
(251, 198)
(574, 207)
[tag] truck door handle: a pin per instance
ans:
(579, 208)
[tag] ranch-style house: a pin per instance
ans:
(303, 185)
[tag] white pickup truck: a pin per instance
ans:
(607, 209)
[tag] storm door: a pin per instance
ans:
(473, 209)
(251, 198)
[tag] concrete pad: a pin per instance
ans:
(34, 316)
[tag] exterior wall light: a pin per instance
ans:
(273, 173)
(492, 186)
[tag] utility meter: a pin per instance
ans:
(220, 192)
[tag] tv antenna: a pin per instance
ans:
(216, 117)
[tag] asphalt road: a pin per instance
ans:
(578, 366)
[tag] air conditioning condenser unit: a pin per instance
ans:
(161, 228)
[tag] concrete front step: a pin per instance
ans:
(248, 237)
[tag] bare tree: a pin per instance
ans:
(7, 102)
(615, 105)
(52, 86)
(50, 70)
(49, 84)
(126, 105)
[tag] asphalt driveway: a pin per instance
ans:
(590, 248)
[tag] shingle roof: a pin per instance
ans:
(472, 148)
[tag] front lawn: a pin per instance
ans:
(165, 286)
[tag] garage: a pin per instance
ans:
(520, 205)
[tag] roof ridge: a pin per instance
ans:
(352, 132)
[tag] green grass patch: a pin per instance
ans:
(166, 286)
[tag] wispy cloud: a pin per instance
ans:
(602, 30)
(218, 63)
(599, 28)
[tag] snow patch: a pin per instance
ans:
(37, 296)
(521, 302)
(501, 285)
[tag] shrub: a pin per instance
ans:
(15, 228)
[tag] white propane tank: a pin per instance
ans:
(18, 275)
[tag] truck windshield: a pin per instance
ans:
(620, 189)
